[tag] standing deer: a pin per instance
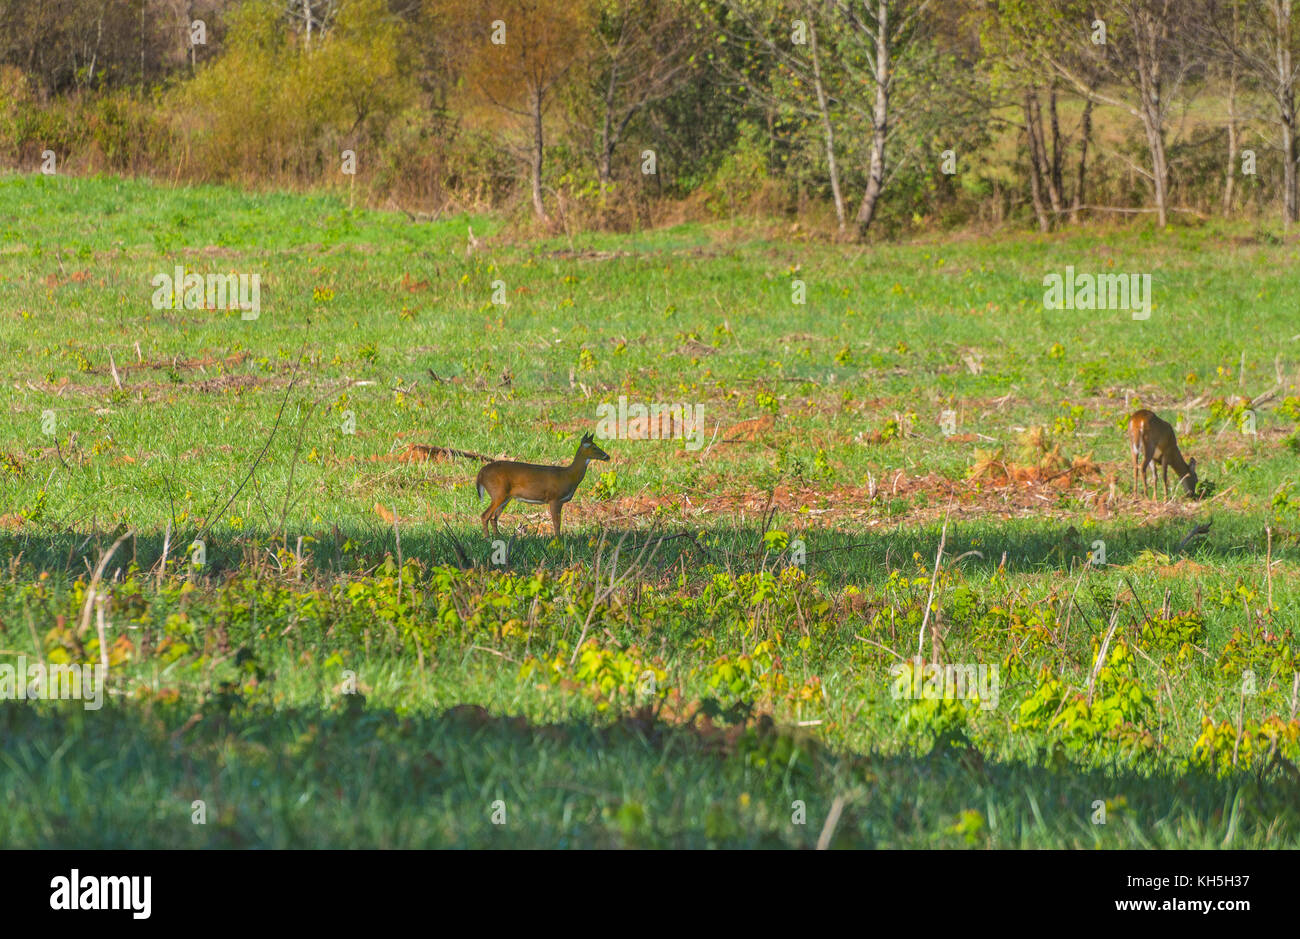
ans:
(504, 480)
(1153, 440)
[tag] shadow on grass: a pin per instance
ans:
(1016, 546)
(350, 775)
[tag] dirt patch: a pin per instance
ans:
(695, 349)
(896, 498)
(565, 255)
(1182, 568)
(53, 281)
(421, 453)
(226, 383)
(749, 430)
(219, 384)
(176, 362)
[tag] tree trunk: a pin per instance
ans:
(1035, 181)
(1159, 168)
(1038, 149)
(538, 150)
(1229, 183)
(879, 123)
(828, 130)
(1285, 96)
(1148, 39)
(1289, 200)
(1085, 131)
(1231, 177)
(605, 170)
(1058, 184)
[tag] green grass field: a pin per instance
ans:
(709, 655)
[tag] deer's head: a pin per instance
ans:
(588, 451)
(1191, 479)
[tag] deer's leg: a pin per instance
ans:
(556, 508)
(497, 517)
(1166, 479)
(1145, 463)
(494, 509)
(1153, 460)
(1137, 459)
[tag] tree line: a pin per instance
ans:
(851, 114)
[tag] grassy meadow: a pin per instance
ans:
(710, 654)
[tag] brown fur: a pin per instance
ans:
(553, 486)
(1152, 440)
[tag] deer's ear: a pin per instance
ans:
(1192, 463)
(587, 438)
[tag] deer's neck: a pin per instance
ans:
(577, 469)
(1175, 459)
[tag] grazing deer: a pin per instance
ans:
(504, 480)
(1153, 440)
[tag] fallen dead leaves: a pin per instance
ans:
(1037, 461)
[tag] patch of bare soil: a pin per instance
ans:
(925, 499)
(695, 349)
(225, 383)
(1182, 568)
(53, 281)
(749, 430)
(422, 453)
(567, 255)
(218, 384)
(202, 363)
(896, 498)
